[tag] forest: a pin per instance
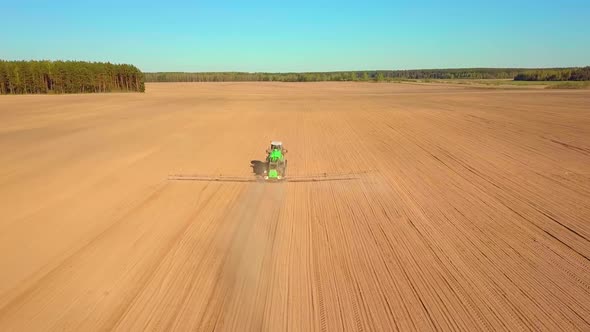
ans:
(550, 74)
(375, 75)
(42, 77)
(565, 74)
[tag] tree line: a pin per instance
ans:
(375, 75)
(41, 77)
(560, 74)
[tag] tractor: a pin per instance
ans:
(276, 164)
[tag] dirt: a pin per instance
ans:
(471, 212)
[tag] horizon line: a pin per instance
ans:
(363, 70)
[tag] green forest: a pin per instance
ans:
(41, 77)
(378, 75)
(565, 74)
(375, 75)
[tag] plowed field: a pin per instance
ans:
(471, 210)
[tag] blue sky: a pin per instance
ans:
(303, 35)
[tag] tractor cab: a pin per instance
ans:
(275, 145)
(276, 150)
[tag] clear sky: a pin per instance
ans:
(304, 35)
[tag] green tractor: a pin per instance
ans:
(276, 164)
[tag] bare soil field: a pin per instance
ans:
(471, 210)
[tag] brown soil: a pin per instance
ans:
(474, 215)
